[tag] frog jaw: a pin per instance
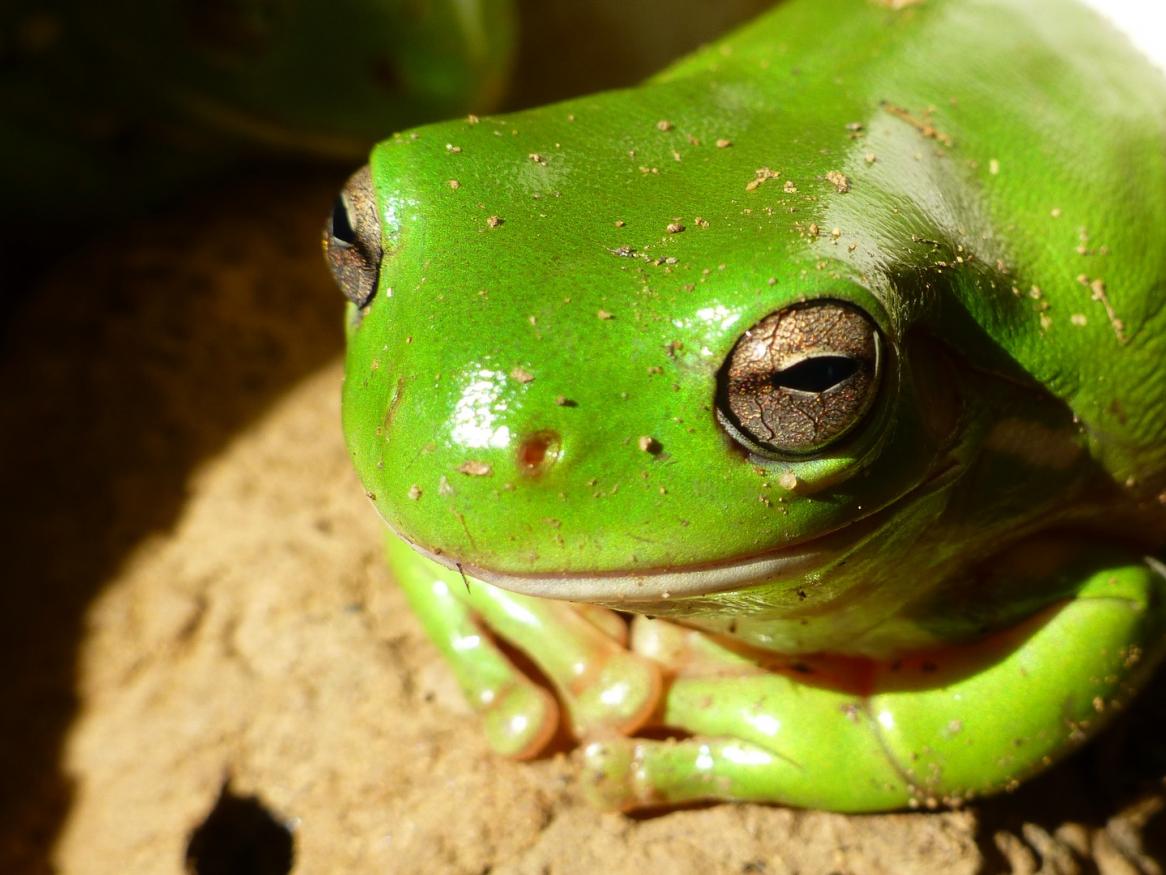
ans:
(651, 590)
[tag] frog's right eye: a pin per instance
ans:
(352, 239)
(801, 379)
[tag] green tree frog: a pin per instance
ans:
(832, 356)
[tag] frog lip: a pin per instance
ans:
(632, 587)
(642, 586)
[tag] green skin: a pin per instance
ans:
(933, 605)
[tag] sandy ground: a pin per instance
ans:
(194, 596)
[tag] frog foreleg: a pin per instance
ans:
(939, 727)
(603, 687)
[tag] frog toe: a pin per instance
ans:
(521, 720)
(601, 685)
(628, 773)
(620, 696)
(623, 774)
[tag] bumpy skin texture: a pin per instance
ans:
(939, 601)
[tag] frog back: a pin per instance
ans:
(1001, 170)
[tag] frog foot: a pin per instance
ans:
(862, 735)
(604, 688)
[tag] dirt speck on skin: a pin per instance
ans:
(202, 598)
(923, 126)
(839, 180)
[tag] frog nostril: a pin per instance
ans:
(537, 452)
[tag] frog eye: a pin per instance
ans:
(352, 239)
(801, 378)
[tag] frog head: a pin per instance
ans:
(603, 353)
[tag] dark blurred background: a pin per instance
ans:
(120, 109)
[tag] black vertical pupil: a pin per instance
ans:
(342, 229)
(816, 374)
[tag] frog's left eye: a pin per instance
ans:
(352, 239)
(801, 378)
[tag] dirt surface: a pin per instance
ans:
(205, 657)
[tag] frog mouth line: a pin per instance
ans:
(615, 588)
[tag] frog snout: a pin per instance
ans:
(537, 452)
